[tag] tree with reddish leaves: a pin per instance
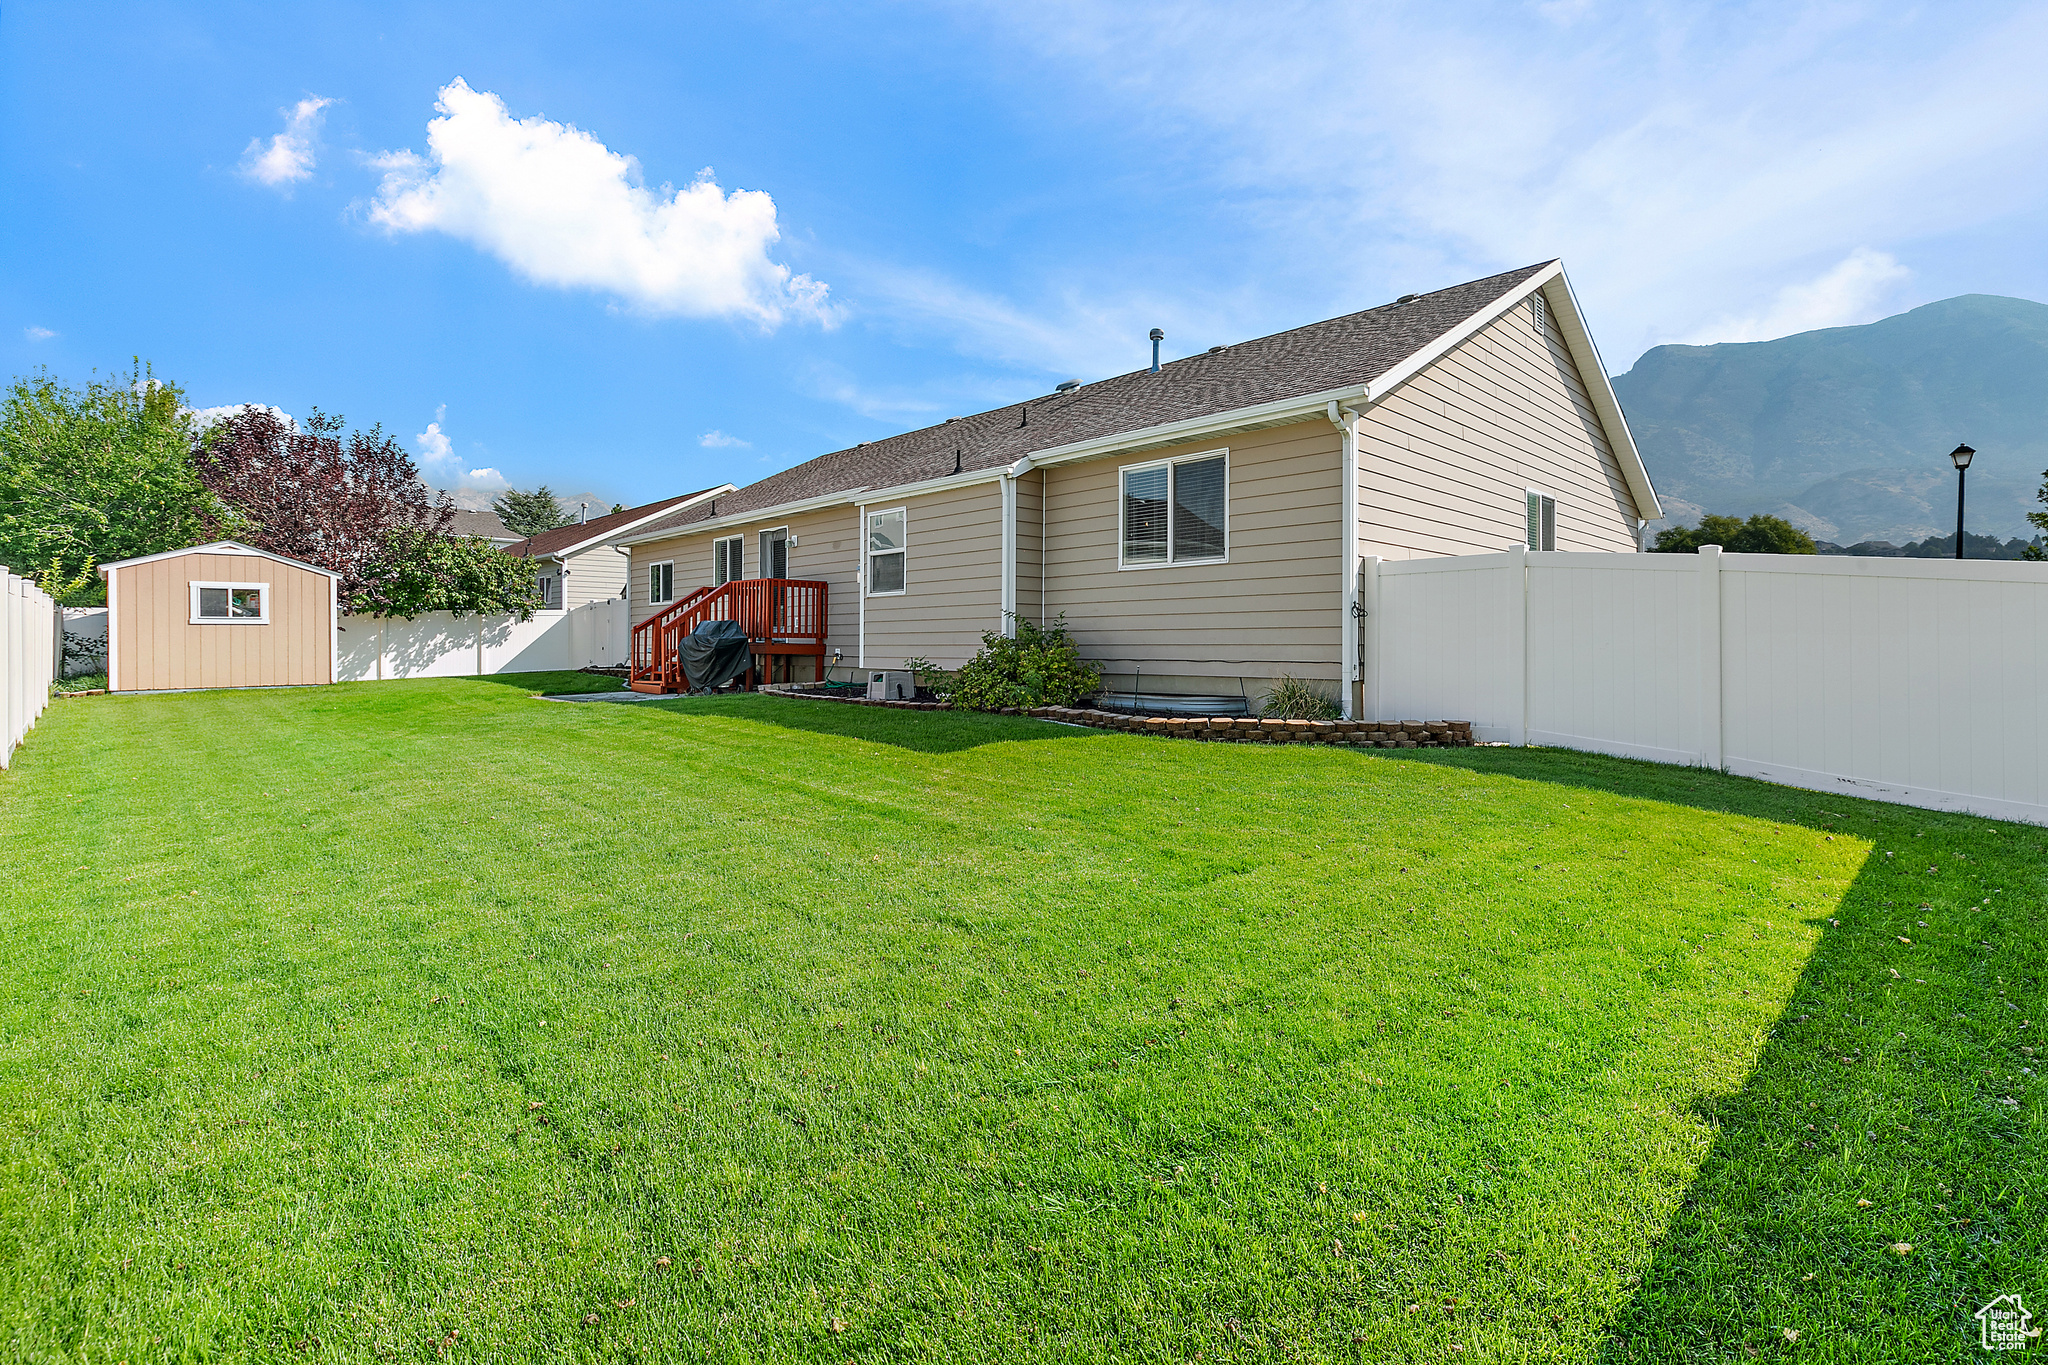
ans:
(302, 491)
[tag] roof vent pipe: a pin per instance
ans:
(1157, 337)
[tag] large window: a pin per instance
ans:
(775, 553)
(1176, 511)
(216, 602)
(887, 549)
(661, 582)
(725, 560)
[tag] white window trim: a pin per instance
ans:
(259, 620)
(782, 531)
(738, 538)
(1170, 562)
(867, 553)
(1527, 494)
(670, 565)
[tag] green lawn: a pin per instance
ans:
(411, 1021)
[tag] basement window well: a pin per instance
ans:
(1176, 512)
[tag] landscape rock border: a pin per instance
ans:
(1386, 734)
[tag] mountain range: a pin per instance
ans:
(1846, 432)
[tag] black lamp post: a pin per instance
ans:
(1960, 456)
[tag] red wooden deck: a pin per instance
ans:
(780, 616)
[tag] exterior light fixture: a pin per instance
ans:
(1960, 457)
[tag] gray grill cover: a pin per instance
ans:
(715, 653)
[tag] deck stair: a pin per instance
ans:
(782, 616)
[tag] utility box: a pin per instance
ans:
(892, 686)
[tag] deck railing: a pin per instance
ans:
(780, 615)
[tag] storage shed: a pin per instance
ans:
(219, 615)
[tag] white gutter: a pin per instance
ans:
(1278, 413)
(1346, 422)
(776, 512)
(1008, 624)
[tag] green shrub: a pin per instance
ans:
(1293, 699)
(1038, 666)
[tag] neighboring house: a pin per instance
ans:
(1200, 526)
(483, 525)
(578, 563)
(218, 615)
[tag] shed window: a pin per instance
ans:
(661, 582)
(888, 548)
(1176, 511)
(1542, 521)
(230, 602)
(725, 560)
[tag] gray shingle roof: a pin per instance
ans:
(485, 524)
(1343, 351)
(578, 532)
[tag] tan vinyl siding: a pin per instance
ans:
(827, 549)
(596, 575)
(1446, 459)
(157, 646)
(1272, 609)
(1030, 545)
(953, 584)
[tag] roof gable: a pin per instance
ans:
(1360, 356)
(217, 547)
(578, 536)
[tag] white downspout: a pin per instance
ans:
(1346, 422)
(860, 583)
(1008, 625)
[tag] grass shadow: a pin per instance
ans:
(925, 732)
(1900, 1072)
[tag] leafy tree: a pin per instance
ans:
(1038, 666)
(529, 513)
(2039, 520)
(420, 571)
(1760, 535)
(92, 475)
(300, 490)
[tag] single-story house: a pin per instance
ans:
(1200, 525)
(219, 615)
(579, 563)
(472, 525)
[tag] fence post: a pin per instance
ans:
(1515, 661)
(1369, 639)
(1710, 657)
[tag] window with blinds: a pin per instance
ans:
(1176, 511)
(725, 560)
(775, 553)
(888, 550)
(1542, 521)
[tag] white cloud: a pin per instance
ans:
(202, 418)
(1687, 162)
(718, 440)
(443, 467)
(287, 157)
(38, 333)
(1854, 291)
(561, 208)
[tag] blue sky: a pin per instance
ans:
(490, 227)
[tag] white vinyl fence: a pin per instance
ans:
(1921, 681)
(29, 626)
(439, 645)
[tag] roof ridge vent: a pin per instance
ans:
(1406, 298)
(1066, 386)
